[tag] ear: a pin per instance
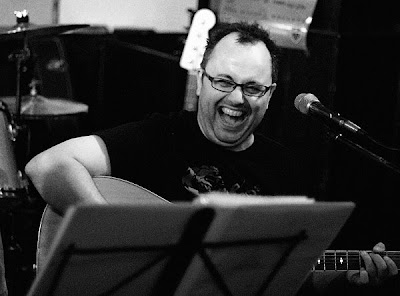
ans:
(271, 91)
(273, 87)
(199, 76)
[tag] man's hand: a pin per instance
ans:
(377, 268)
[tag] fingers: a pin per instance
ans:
(379, 247)
(379, 265)
(364, 277)
(378, 268)
(391, 266)
(358, 277)
(369, 264)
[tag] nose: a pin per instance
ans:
(237, 96)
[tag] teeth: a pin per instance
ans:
(231, 112)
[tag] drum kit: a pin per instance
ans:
(16, 111)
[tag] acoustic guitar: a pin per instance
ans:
(113, 190)
(116, 191)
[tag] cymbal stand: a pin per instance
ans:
(20, 56)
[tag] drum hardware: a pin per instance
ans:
(33, 106)
(20, 56)
(26, 30)
(16, 115)
(12, 186)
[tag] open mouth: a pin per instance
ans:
(230, 116)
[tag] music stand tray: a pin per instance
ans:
(188, 249)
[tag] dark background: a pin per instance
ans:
(352, 65)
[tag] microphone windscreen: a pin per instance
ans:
(302, 102)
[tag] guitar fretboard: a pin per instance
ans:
(190, 103)
(348, 260)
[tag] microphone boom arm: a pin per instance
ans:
(340, 138)
(322, 112)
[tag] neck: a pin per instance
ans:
(347, 260)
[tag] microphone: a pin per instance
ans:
(308, 104)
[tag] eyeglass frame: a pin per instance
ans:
(242, 85)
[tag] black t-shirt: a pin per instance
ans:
(169, 155)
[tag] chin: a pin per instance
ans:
(229, 141)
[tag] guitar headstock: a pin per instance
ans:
(192, 55)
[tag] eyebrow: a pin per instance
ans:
(224, 76)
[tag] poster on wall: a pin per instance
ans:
(287, 20)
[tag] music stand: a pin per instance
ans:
(188, 249)
(263, 248)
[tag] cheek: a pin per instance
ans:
(205, 110)
(208, 100)
(263, 105)
(204, 104)
(260, 107)
(258, 111)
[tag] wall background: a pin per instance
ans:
(160, 16)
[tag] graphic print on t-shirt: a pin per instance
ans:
(207, 178)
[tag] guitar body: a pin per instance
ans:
(113, 190)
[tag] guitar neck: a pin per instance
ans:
(190, 102)
(348, 260)
(192, 55)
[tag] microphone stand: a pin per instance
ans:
(339, 137)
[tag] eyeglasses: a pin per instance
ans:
(249, 89)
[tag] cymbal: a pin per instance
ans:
(30, 30)
(37, 107)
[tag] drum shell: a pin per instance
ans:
(9, 175)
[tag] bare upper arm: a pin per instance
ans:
(89, 151)
(92, 153)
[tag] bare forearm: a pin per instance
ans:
(64, 184)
